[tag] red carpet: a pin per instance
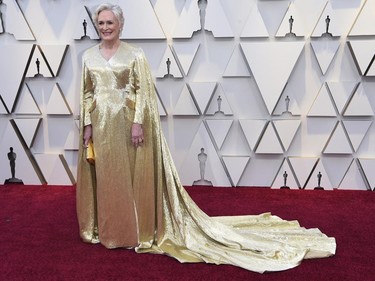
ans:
(39, 236)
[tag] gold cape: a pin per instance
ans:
(132, 197)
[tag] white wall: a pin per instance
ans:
(245, 58)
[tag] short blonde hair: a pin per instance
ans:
(115, 9)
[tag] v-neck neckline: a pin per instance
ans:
(114, 54)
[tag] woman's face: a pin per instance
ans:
(109, 26)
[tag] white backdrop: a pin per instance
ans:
(243, 55)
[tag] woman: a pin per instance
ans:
(132, 196)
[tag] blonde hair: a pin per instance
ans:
(115, 9)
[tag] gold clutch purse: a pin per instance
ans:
(90, 153)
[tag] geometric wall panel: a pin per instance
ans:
(297, 26)
(213, 167)
(202, 93)
(341, 93)
(72, 141)
(28, 129)
(322, 105)
(363, 53)
(359, 104)
(141, 21)
(189, 20)
(14, 59)
(319, 175)
(54, 55)
(325, 50)
(365, 22)
(216, 20)
(38, 65)
(172, 65)
(85, 19)
(353, 178)
(15, 22)
(269, 142)
(57, 104)
(235, 166)
(287, 106)
(285, 177)
(254, 26)
(338, 142)
(286, 129)
(357, 130)
(252, 130)
(271, 59)
(53, 169)
(219, 130)
(336, 167)
(303, 168)
(237, 66)
(26, 103)
(219, 103)
(185, 104)
(368, 167)
(185, 53)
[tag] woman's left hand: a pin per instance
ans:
(137, 134)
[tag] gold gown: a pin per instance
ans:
(133, 197)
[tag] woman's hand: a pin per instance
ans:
(137, 134)
(87, 134)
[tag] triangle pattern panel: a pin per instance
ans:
(322, 105)
(336, 167)
(285, 177)
(57, 104)
(216, 20)
(26, 103)
(252, 130)
(341, 93)
(24, 168)
(237, 66)
(28, 129)
(15, 55)
(319, 172)
(353, 179)
(341, 17)
(269, 143)
(189, 20)
(359, 104)
(368, 167)
(174, 70)
(202, 93)
(287, 106)
(338, 142)
(297, 26)
(185, 104)
(371, 71)
(186, 53)
(72, 141)
(235, 166)
(254, 26)
(53, 169)
(365, 23)
(363, 52)
(325, 50)
(219, 130)
(303, 167)
(357, 130)
(3, 110)
(15, 22)
(54, 55)
(161, 108)
(219, 104)
(286, 129)
(141, 21)
(79, 32)
(273, 55)
(214, 170)
(38, 65)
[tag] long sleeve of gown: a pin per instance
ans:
(87, 95)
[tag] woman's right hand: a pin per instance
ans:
(87, 134)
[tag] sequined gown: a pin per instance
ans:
(133, 197)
